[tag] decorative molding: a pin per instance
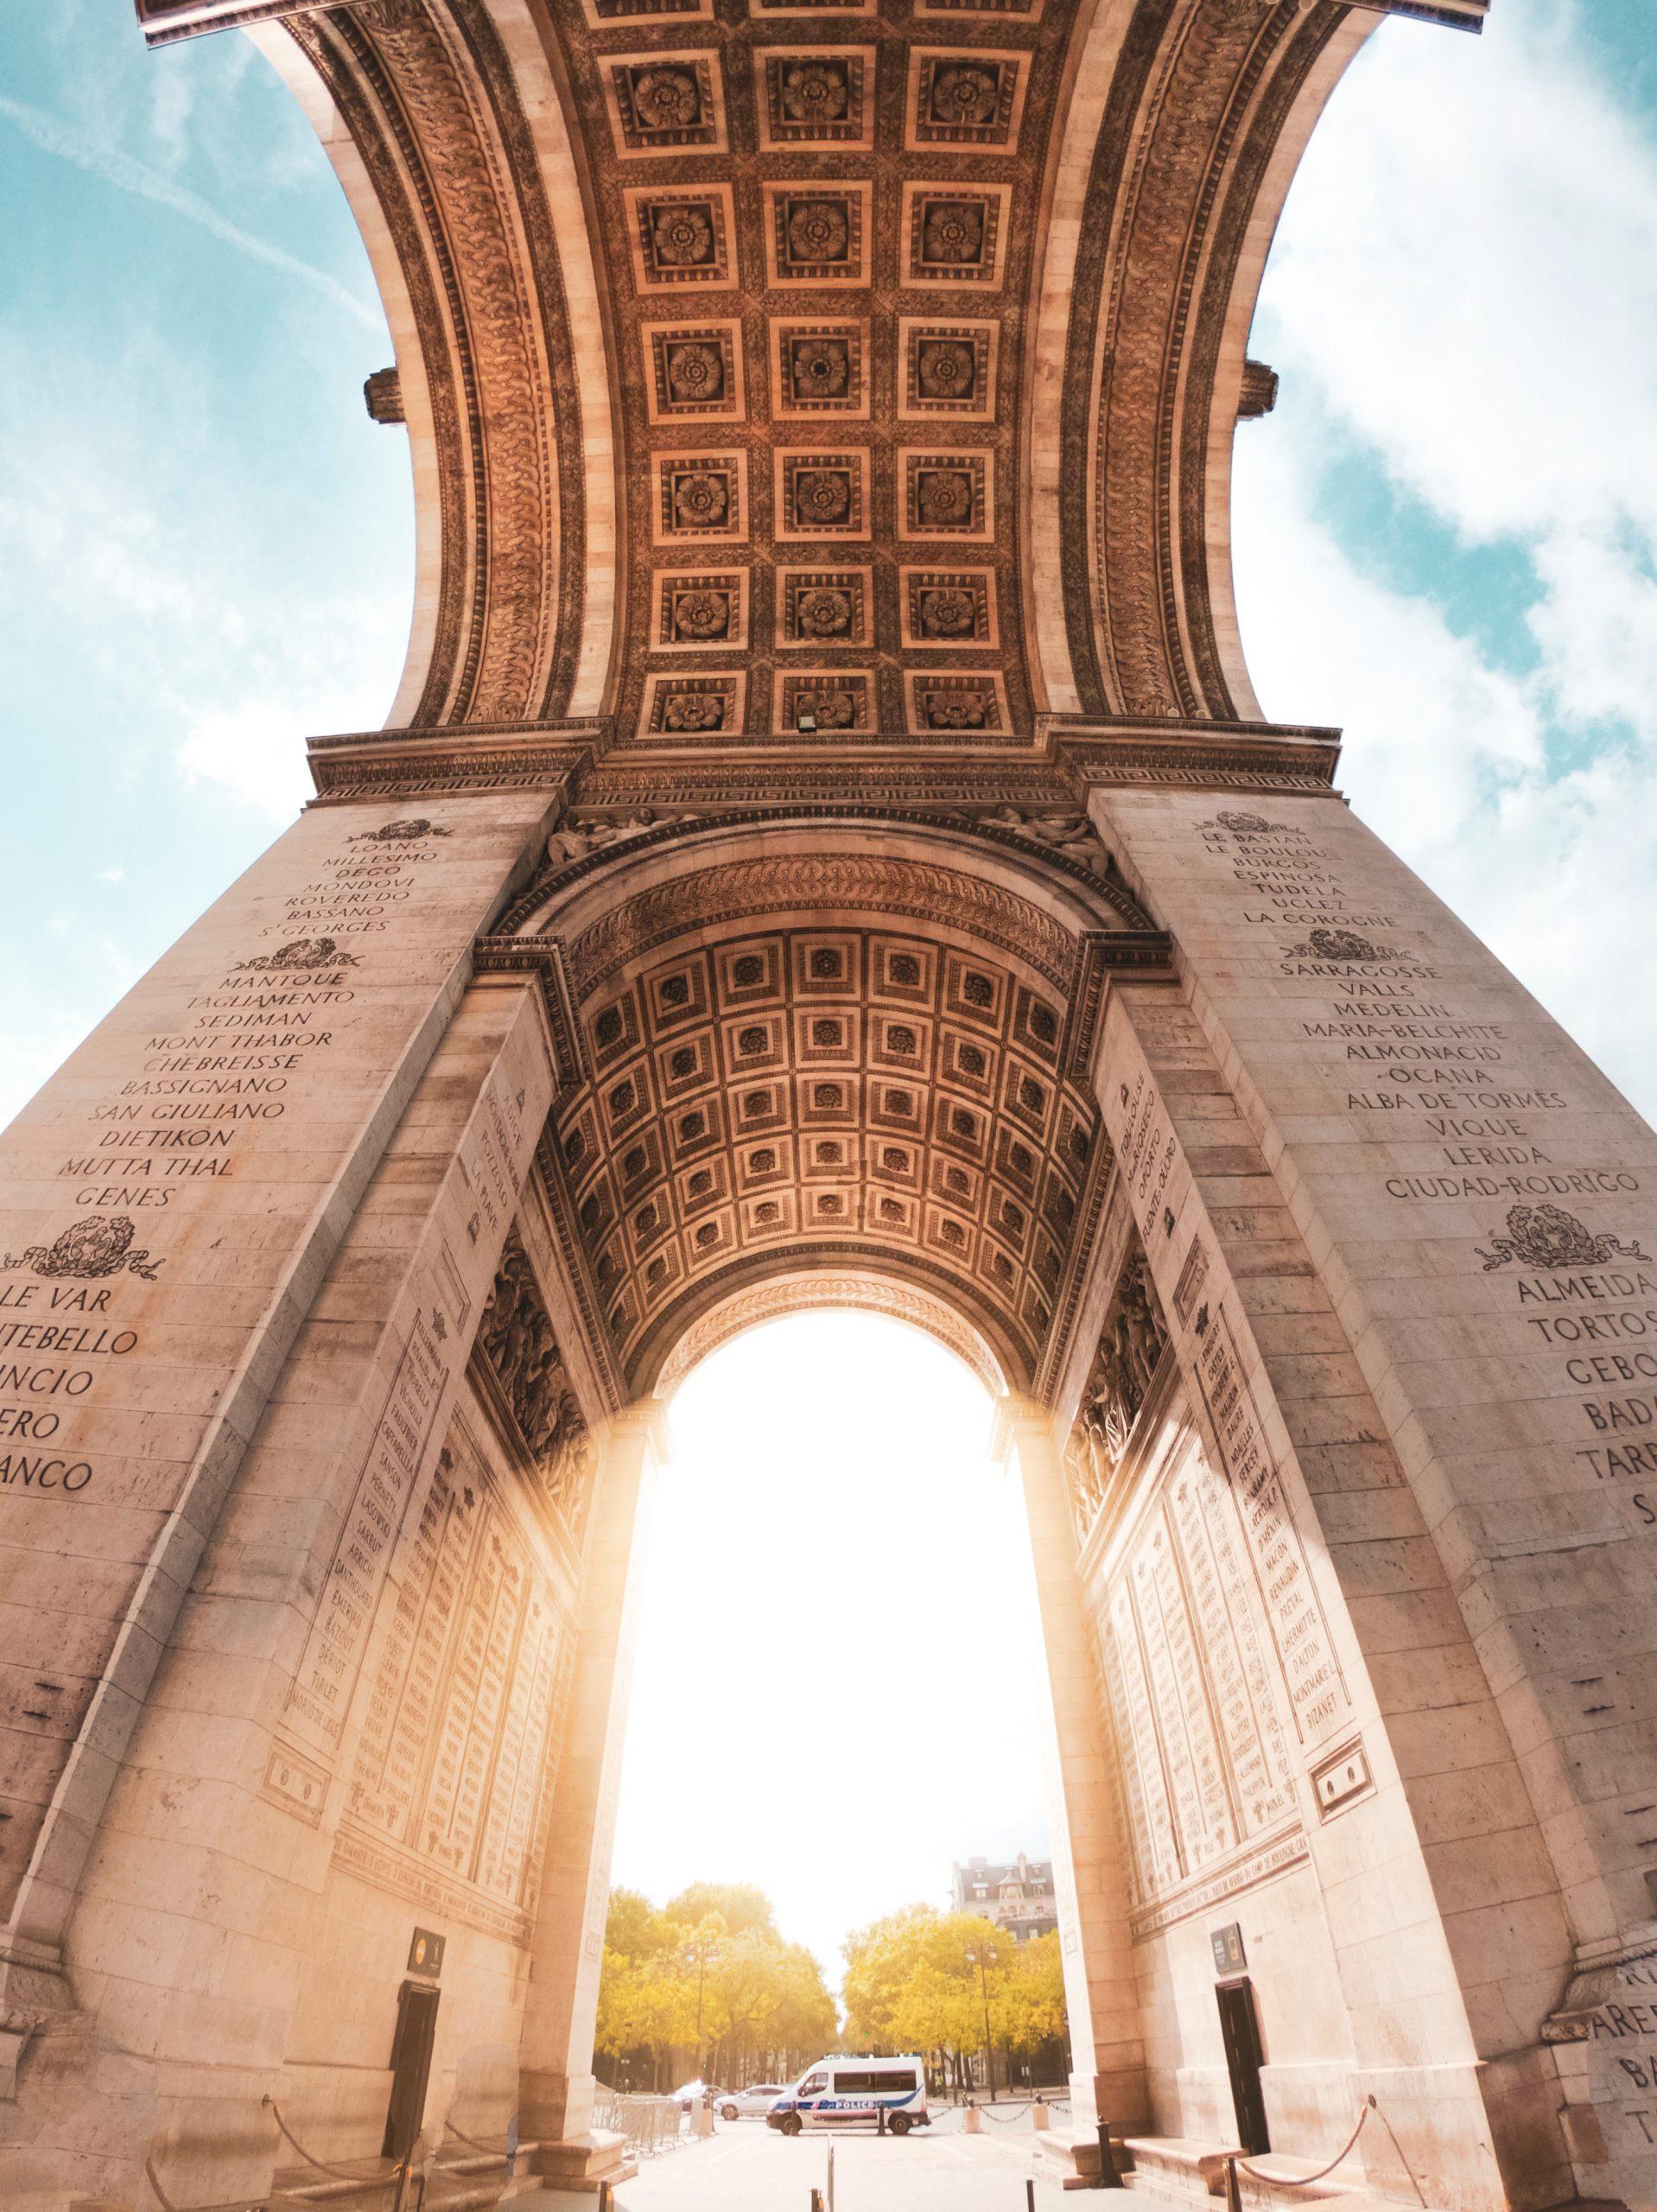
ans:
(835, 1289)
(1261, 1862)
(849, 883)
(1452, 15)
(1133, 1345)
(1259, 394)
(1226, 755)
(543, 958)
(382, 397)
(163, 21)
(421, 762)
(432, 102)
(525, 1387)
(1199, 99)
(786, 778)
(1053, 833)
(1078, 1260)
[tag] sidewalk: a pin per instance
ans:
(748, 2168)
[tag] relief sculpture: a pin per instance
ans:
(1131, 1345)
(516, 1341)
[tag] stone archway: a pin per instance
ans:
(827, 1290)
(819, 841)
(820, 1038)
(833, 1055)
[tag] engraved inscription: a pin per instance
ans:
(334, 1651)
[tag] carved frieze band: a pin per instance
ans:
(164, 21)
(421, 764)
(1057, 834)
(835, 1291)
(1179, 161)
(841, 882)
(434, 109)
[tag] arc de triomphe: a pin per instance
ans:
(825, 847)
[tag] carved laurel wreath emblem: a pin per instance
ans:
(300, 952)
(1339, 944)
(1548, 1236)
(87, 1249)
(400, 833)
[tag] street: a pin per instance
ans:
(746, 2167)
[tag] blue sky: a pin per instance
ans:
(1445, 535)
(205, 546)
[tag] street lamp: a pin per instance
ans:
(983, 1960)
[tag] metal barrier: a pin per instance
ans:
(1237, 2164)
(238, 2204)
(650, 2124)
(396, 2178)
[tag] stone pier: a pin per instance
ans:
(825, 849)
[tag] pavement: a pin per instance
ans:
(746, 2167)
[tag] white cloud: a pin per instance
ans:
(255, 750)
(1595, 625)
(1468, 270)
(1435, 729)
(1444, 758)
(1465, 285)
(142, 550)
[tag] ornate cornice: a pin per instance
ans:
(844, 883)
(542, 957)
(428, 763)
(1051, 836)
(164, 21)
(1453, 15)
(1193, 754)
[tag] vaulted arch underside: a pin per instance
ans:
(845, 373)
(817, 1044)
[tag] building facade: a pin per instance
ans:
(1018, 1895)
(825, 849)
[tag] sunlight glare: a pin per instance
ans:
(839, 1664)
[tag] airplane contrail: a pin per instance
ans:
(54, 136)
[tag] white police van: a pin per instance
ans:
(836, 2092)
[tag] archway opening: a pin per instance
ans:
(835, 1701)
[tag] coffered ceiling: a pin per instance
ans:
(835, 374)
(823, 282)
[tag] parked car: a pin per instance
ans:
(840, 2092)
(752, 2103)
(689, 2094)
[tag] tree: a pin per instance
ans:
(1032, 2020)
(743, 1906)
(707, 1981)
(921, 1980)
